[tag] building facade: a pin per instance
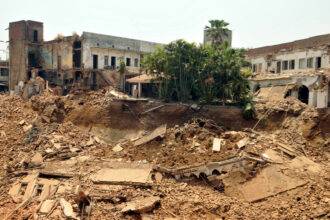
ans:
(87, 61)
(302, 65)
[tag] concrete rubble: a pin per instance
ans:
(85, 156)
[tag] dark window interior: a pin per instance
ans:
(303, 94)
(292, 65)
(35, 36)
(95, 62)
(285, 65)
(128, 61)
(318, 62)
(77, 54)
(113, 62)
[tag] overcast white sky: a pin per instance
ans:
(254, 22)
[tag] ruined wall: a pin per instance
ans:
(24, 37)
(52, 51)
(318, 93)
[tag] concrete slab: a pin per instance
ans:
(304, 164)
(269, 182)
(273, 156)
(142, 205)
(122, 176)
(160, 131)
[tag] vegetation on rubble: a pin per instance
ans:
(204, 73)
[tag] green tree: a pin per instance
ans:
(217, 31)
(204, 73)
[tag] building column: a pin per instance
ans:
(140, 90)
(312, 97)
(322, 99)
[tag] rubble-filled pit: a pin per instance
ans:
(115, 155)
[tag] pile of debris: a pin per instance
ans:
(55, 169)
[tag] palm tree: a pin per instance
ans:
(217, 31)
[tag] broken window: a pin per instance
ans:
(128, 61)
(292, 65)
(285, 65)
(310, 62)
(113, 62)
(318, 62)
(302, 63)
(35, 36)
(278, 67)
(106, 60)
(95, 61)
(136, 62)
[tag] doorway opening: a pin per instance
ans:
(318, 62)
(303, 94)
(95, 61)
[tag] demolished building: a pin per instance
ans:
(87, 61)
(300, 68)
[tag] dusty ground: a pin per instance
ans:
(76, 134)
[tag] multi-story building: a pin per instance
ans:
(301, 68)
(89, 61)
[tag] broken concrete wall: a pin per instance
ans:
(317, 92)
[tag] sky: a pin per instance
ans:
(254, 23)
